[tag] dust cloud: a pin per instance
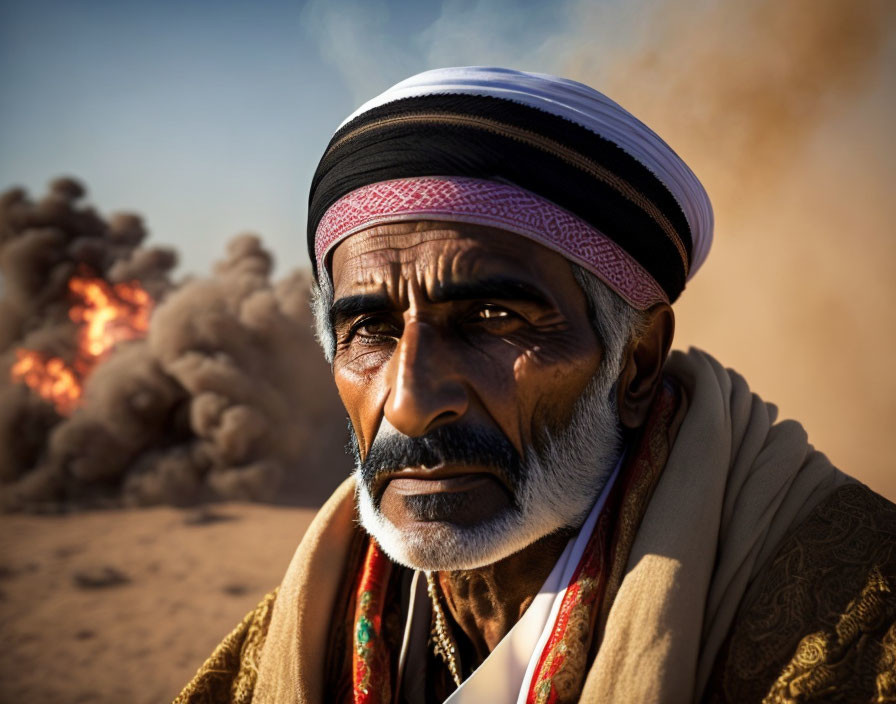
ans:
(785, 112)
(227, 397)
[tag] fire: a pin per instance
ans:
(51, 378)
(106, 314)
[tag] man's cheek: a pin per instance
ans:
(361, 435)
(362, 390)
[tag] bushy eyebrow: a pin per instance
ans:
(498, 288)
(359, 304)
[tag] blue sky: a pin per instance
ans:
(208, 117)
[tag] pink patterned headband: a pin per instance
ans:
(480, 202)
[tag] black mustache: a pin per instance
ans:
(447, 444)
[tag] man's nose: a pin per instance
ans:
(425, 389)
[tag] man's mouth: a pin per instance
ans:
(439, 480)
(416, 485)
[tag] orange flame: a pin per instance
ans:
(106, 315)
(51, 378)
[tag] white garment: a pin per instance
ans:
(504, 676)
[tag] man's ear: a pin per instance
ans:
(643, 366)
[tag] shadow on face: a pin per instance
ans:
(446, 325)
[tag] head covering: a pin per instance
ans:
(545, 157)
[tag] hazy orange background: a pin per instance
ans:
(786, 112)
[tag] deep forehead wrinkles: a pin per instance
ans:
(400, 273)
(422, 263)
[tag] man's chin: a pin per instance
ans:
(445, 545)
(436, 546)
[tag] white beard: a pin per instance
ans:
(559, 485)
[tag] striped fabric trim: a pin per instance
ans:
(570, 156)
(581, 172)
(576, 104)
(481, 202)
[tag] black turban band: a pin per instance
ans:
(498, 140)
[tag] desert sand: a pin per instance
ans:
(123, 606)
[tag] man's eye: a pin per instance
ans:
(374, 329)
(493, 315)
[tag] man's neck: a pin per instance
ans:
(486, 602)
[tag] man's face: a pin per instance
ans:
(460, 351)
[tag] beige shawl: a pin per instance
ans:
(735, 484)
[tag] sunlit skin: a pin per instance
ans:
(440, 323)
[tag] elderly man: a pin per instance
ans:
(547, 506)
